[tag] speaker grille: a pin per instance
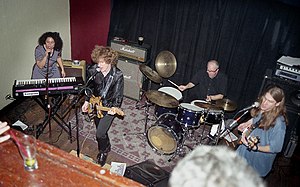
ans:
(133, 78)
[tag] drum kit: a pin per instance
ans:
(174, 120)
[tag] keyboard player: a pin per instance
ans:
(48, 52)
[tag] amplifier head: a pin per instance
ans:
(131, 50)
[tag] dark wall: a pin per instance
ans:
(246, 37)
(89, 26)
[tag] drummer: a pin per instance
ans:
(209, 84)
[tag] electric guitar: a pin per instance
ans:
(95, 105)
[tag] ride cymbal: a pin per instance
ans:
(150, 73)
(162, 99)
(165, 64)
(208, 106)
(226, 104)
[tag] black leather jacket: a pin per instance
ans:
(110, 87)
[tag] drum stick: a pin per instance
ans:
(173, 83)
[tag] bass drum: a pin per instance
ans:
(165, 135)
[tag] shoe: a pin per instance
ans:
(101, 158)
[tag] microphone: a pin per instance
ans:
(49, 53)
(234, 123)
(254, 105)
(93, 76)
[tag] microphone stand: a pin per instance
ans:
(47, 95)
(228, 129)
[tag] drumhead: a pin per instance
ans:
(190, 107)
(161, 139)
(198, 101)
(172, 92)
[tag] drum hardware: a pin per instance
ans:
(165, 64)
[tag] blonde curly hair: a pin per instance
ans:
(110, 56)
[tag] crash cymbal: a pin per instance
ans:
(226, 104)
(165, 64)
(150, 73)
(207, 105)
(162, 99)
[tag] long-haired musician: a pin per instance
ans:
(268, 124)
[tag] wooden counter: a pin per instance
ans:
(56, 168)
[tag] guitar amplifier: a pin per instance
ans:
(75, 70)
(131, 50)
(133, 78)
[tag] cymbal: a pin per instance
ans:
(165, 64)
(162, 99)
(226, 104)
(150, 73)
(208, 105)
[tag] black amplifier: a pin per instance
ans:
(131, 50)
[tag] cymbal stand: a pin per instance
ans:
(143, 96)
(204, 125)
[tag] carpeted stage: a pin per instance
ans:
(131, 144)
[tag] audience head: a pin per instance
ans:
(214, 166)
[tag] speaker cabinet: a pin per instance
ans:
(148, 174)
(133, 78)
(292, 94)
(73, 70)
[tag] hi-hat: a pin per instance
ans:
(226, 104)
(150, 73)
(207, 105)
(162, 99)
(165, 64)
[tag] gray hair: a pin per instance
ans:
(214, 166)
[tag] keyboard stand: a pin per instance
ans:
(54, 115)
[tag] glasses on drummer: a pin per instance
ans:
(212, 71)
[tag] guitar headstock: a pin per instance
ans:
(118, 111)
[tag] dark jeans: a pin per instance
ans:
(103, 126)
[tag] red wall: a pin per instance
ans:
(89, 26)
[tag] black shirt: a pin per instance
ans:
(205, 86)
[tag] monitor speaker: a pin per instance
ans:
(133, 78)
(148, 174)
(292, 94)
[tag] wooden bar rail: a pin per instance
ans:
(56, 168)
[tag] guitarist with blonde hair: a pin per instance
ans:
(268, 123)
(106, 83)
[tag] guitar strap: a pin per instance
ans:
(109, 82)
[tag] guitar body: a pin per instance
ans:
(96, 107)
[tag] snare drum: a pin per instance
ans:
(172, 92)
(165, 135)
(159, 110)
(189, 115)
(209, 116)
